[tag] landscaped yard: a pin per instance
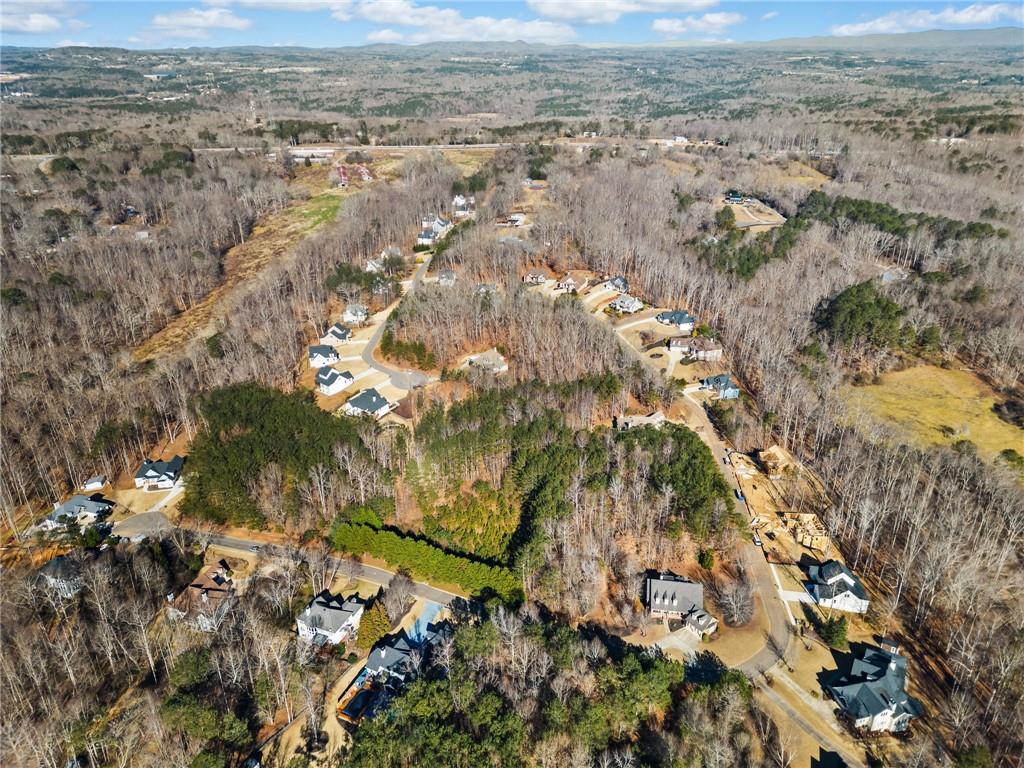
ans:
(935, 406)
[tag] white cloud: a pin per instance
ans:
(430, 24)
(72, 44)
(975, 15)
(195, 22)
(36, 17)
(769, 16)
(340, 9)
(708, 24)
(610, 11)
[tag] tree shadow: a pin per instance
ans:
(705, 668)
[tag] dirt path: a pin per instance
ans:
(272, 240)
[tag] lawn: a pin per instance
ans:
(937, 406)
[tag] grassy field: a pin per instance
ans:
(937, 406)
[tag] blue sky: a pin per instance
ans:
(327, 23)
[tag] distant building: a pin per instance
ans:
(63, 576)
(432, 229)
(94, 483)
(627, 305)
(463, 206)
(329, 619)
(673, 597)
(159, 475)
(722, 386)
(205, 602)
(446, 278)
(619, 284)
(375, 266)
(680, 318)
(487, 289)
(872, 694)
(490, 361)
(368, 402)
(697, 347)
(536, 277)
(330, 381)
(336, 334)
(78, 510)
(156, 76)
(733, 197)
(833, 585)
(655, 420)
(321, 355)
(574, 281)
(355, 314)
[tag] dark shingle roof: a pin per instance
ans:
(369, 401)
(876, 681)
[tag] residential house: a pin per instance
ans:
(159, 475)
(331, 381)
(487, 289)
(536, 277)
(490, 361)
(336, 334)
(330, 619)
(368, 402)
(375, 266)
(697, 347)
(655, 420)
(463, 206)
(673, 597)
(446, 278)
(833, 585)
(321, 355)
(205, 602)
(63, 576)
(618, 283)
(94, 483)
(872, 694)
(680, 318)
(79, 510)
(722, 386)
(574, 281)
(432, 229)
(392, 659)
(627, 305)
(355, 314)
(733, 197)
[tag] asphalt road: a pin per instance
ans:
(399, 378)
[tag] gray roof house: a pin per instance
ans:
(330, 619)
(392, 657)
(83, 510)
(833, 585)
(159, 475)
(331, 381)
(619, 283)
(872, 694)
(680, 318)
(446, 277)
(674, 597)
(336, 334)
(321, 355)
(369, 401)
(722, 385)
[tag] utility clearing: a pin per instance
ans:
(929, 406)
(272, 240)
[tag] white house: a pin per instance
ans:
(834, 586)
(618, 283)
(872, 694)
(463, 206)
(627, 305)
(336, 334)
(321, 355)
(330, 381)
(432, 229)
(490, 361)
(94, 483)
(656, 420)
(680, 318)
(673, 597)
(159, 475)
(574, 281)
(355, 314)
(368, 402)
(536, 277)
(446, 278)
(329, 619)
(375, 266)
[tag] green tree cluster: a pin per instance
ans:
(373, 625)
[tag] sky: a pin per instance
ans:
(331, 23)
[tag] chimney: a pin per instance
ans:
(890, 646)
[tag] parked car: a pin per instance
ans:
(739, 495)
(757, 541)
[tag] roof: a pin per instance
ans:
(675, 317)
(154, 469)
(327, 376)
(322, 350)
(339, 331)
(447, 274)
(207, 592)
(619, 281)
(329, 612)
(721, 381)
(491, 360)
(578, 277)
(833, 578)
(669, 592)
(60, 568)
(392, 655)
(875, 683)
(357, 309)
(704, 344)
(78, 504)
(368, 401)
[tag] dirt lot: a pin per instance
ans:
(929, 405)
(756, 217)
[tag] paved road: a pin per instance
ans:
(399, 378)
(825, 741)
